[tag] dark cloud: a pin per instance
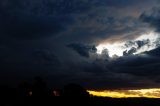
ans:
(45, 57)
(30, 28)
(28, 20)
(83, 50)
(144, 65)
(129, 52)
(108, 28)
(142, 43)
(155, 52)
(87, 21)
(136, 45)
(152, 17)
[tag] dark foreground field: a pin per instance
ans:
(92, 101)
(38, 94)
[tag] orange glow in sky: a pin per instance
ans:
(148, 93)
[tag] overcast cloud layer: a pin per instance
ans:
(57, 39)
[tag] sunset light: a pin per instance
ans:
(147, 93)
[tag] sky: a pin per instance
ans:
(100, 44)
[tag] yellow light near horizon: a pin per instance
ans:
(147, 93)
(111, 94)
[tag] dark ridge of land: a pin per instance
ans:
(38, 94)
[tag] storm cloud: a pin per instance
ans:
(57, 39)
(28, 20)
(83, 50)
(152, 18)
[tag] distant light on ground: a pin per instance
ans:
(30, 93)
(147, 93)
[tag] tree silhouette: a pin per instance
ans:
(24, 90)
(75, 90)
(39, 88)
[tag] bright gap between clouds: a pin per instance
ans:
(148, 41)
